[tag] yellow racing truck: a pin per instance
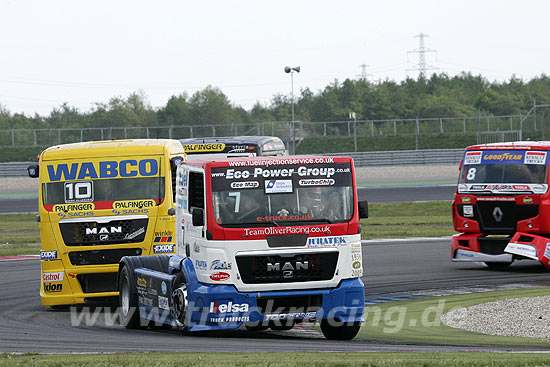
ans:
(98, 202)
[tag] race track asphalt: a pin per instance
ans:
(406, 266)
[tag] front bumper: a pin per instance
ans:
(210, 303)
(468, 248)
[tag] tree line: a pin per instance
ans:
(438, 96)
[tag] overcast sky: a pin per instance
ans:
(81, 52)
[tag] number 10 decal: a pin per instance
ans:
(79, 191)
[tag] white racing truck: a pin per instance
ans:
(263, 242)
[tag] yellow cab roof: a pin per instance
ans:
(117, 148)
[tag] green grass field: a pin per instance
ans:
(403, 220)
(289, 359)
(19, 233)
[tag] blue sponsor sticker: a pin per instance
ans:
(48, 255)
(163, 249)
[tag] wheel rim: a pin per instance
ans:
(125, 297)
(180, 304)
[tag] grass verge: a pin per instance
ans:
(418, 321)
(19, 235)
(404, 220)
(279, 359)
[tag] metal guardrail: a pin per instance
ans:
(405, 157)
(14, 169)
(362, 159)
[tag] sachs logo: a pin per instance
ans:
(219, 276)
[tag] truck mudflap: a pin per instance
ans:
(218, 307)
(530, 246)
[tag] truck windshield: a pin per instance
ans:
(295, 191)
(306, 204)
(138, 188)
(504, 167)
(503, 174)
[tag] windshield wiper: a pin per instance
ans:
(276, 224)
(316, 220)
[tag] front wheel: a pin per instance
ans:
(180, 304)
(333, 330)
(498, 265)
(129, 313)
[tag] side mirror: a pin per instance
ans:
(175, 162)
(33, 170)
(363, 209)
(198, 217)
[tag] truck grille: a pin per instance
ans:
(262, 269)
(116, 231)
(101, 257)
(501, 216)
(97, 283)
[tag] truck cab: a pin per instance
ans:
(260, 242)
(502, 204)
(98, 202)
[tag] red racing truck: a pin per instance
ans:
(263, 242)
(502, 204)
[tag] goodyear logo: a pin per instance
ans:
(131, 204)
(73, 207)
(104, 169)
(502, 157)
(195, 148)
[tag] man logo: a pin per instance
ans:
(287, 266)
(104, 237)
(104, 230)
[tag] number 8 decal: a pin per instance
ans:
(471, 174)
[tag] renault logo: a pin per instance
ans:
(498, 214)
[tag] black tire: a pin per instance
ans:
(128, 302)
(497, 266)
(333, 330)
(179, 305)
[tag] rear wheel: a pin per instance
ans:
(333, 330)
(498, 265)
(129, 313)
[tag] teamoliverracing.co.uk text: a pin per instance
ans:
(285, 230)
